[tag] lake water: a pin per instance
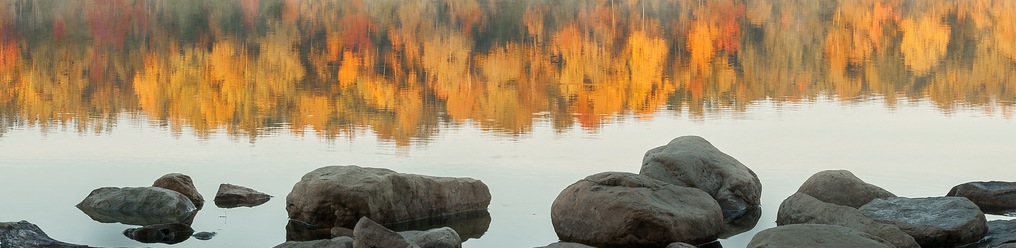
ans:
(527, 96)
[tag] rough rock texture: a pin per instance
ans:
(693, 162)
(992, 197)
(842, 187)
(367, 233)
(680, 245)
(25, 234)
(137, 206)
(160, 233)
(567, 245)
(617, 209)
(1000, 232)
(933, 221)
(444, 237)
(801, 208)
(231, 196)
(183, 184)
(339, 242)
(339, 195)
(815, 235)
(740, 224)
(204, 235)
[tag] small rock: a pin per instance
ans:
(815, 235)
(183, 184)
(368, 233)
(566, 245)
(801, 208)
(680, 245)
(1000, 232)
(231, 196)
(843, 188)
(137, 206)
(204, 235)
(25, 234)
(444, 237)
(160, 233)
(992, 197)
(338, 242)
(932, 221)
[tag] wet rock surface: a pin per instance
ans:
(137, 206)
(1000, 233)
(183, 184)
(232, 196)
(992, 197)
(815, 235)
(160, 233)
(204, 235)
(368, 233)
(617, 209)
(801, 208)
(843, 188)
(444, 237)
(932, 221)
(692, 161)
(26, 234)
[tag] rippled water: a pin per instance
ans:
(913, 96)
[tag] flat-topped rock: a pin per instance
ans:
(932, 221)
(232, 196)
(137, 206)
(843, 188)
(801, 208)
(992, 197)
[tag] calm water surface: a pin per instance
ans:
(528, 96)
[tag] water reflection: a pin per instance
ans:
(469, 225)
(404, 69)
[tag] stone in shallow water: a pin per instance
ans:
(801, 208)
(992, 197)
(183, 184)
(843, 188)
(160, 233)
(1000, 232)
(815, 235)
(204, 235)
(932, 221)
(232, 196)
(137, 206)
(25, 234)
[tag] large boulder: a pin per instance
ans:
(932, 221)
(692, 161)
(815, 235)
(618, 209)
(160, 233)
(137, 206)
(444, 237)
(183, 184)
(842, 187)
(992, 197)
(231, 196)
(25, 234)
(368, 233)
(801, 208)
(340, 195)
(1000, 232)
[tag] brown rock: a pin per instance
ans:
(183, 184)
(815, 235)
(992, 197)
(231, 196)
(843, 188)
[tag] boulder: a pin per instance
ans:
(618, 209)
(340, 195)
(1000, 233)
(842, 187)
(692, 161)
(137, 206)
(368, 233)
(183, 184)
(338, 242)
(444, 237)
(231, 196)
(801, 208)
(25, 234)
(160, 233)
(566, 245)
(815, 235)
(204, 235)
(992, 197)
(741, 224)
(932, 221)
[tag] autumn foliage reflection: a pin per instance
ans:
(402, 69)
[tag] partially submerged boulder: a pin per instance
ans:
(843, 188)
(1000, 232)
(692, 161)
(183, 184)
(340, 195)
(932, 221)
(618, 209)
(25, 234)
(231, 196)
(137, 206)
(801, 208)
(368, 233)
(992, 197)
(815, 235)
(160, 233)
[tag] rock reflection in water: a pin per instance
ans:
(469, 225)
(160, 233)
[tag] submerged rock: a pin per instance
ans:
(444, 237)
(618, 209)
(932, 221)
(992, 197)
(183, 184)
(843, 188)
(137, 206)
(160, 233)
(692, 161)
(801, 208)
(368, 233)
(468, 225)
(232, 196)
(339, 195)
(204, 235)
(338, 242)
(815, 235)
(25, 234)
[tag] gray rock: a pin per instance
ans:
(231, 196)
(617, 209)
(368, 233)
(815, 235)
(801, 208)
(183, 184)
(1000, 233)
(137, 206)
(25, 234)
(338, 242)
(160, 233)
(567, 245)
(692, 161)
(339, 195)
(843, 188)
(992, 197)
(204, 235)
(680, 245)
(444, 237)
(933, 221)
